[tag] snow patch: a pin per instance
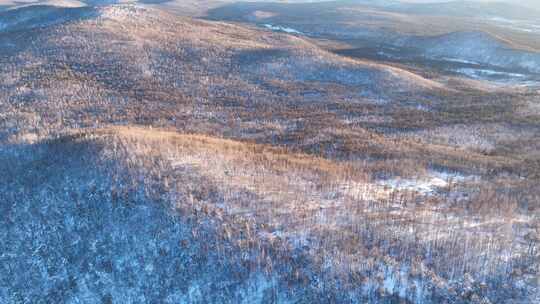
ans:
(122, 12)
(500, 77)
(425, 185)
(278, 28)
(519, 25)
(480, 73)
(458, 60)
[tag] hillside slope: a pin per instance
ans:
(74, 67)
(512, 30)
(161, 216)
(151, 158)
(478, 47)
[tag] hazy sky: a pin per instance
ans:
(533, 3)
(7, 3)
(530, 3)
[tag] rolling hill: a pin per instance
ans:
(153, 158)
(510, 31)
(61, 63)
(162, 216)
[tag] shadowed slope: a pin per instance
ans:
(162, 216)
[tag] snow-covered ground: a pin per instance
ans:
(499, 77)
(458, 60)
(425, 185)
(519, 25)
(278, 28)
(483, 73)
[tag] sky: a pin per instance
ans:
(530, 3)
(7, 3)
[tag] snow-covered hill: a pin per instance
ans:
(137, 215)
(477, 47)
(151, 158)
(41, 16)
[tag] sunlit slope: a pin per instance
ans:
(81, 66)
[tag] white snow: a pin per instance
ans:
(278, 28)
(122, 12)
(423, 185)
(477, 73)
(519, 25)
(459, 60)
(499, 77)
